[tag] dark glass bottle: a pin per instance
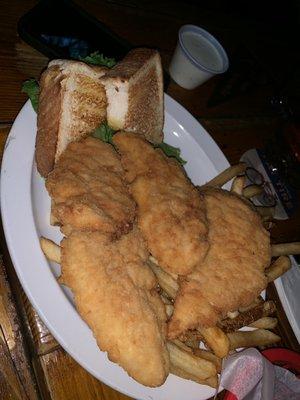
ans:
(283, 151)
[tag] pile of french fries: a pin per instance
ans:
(188, 360)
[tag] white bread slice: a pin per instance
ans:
(134, 90)
(72, 103)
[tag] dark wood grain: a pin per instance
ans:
(15, 366)
(43, 341)
(66, 380)
(283, 329)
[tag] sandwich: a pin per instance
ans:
(75, 98)
(134, 90)
(72, 103)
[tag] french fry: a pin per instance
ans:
(226, 175)
(189, 363)
(238, 185)
(258, 337)
(50, 249)
(265, 323)
(211, 381)
(165, 280)
(207, 355)
(216, 340)
(252, 190)
(204, 354)
(285, 249)
(246, 318)
(278, 268)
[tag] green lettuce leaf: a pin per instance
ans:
(171, 151)
(31, 88)
(97, 58)
(104, 132)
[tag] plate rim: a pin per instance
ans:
(191, 124)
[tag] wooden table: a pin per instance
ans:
(33, 366)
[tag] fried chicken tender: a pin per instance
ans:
(171, 213)
(232, 274)
(89, 191)
(115, 294)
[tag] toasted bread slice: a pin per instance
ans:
(134, 90)
(72, 103)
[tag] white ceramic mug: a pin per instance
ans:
(197, 57)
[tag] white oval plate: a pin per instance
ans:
(25, 207)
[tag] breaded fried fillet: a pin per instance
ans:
(88, 189)
(171, 214)
(232, 274)
(115, 294)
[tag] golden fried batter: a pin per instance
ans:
(88, 189)
(232, 274)
(103, 264)
(115, 294)
(171, 212)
